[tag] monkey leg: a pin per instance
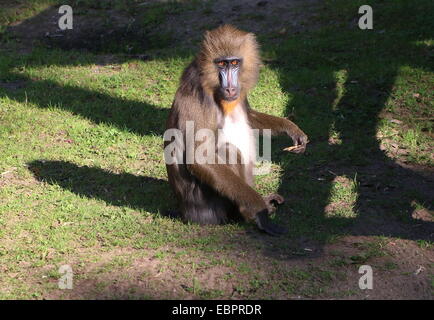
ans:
(222, 180)
(198, 203)
(204, 206)
(272, 201)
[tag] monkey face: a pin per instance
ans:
(228, 69)
(228, 52)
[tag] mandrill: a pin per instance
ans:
(213, 95)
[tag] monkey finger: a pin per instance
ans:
(274, 198)
(300, 139)
(304, 140)
(295, 148)
(301, 149)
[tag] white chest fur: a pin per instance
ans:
(237, 132)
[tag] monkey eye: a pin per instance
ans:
(234, 62)
(221, 63)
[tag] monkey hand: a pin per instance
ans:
(272, 201)
(264, 223)
(300, 140)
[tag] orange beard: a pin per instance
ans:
(228, 106)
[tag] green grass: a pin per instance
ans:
(82, 170)
(13, 11)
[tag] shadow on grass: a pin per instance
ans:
(125, 189)
(341, 79)
(127, 115)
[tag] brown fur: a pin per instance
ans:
(217, 193)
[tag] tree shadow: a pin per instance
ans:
(137, 117)
(387, 191)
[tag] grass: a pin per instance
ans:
(83, 180)
(14, 11)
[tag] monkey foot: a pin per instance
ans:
(272, 201)
(264, 223)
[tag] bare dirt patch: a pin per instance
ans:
(10, 177)
(395, 265)
(138, 274)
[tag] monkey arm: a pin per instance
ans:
(278, 125)
(250, 203)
